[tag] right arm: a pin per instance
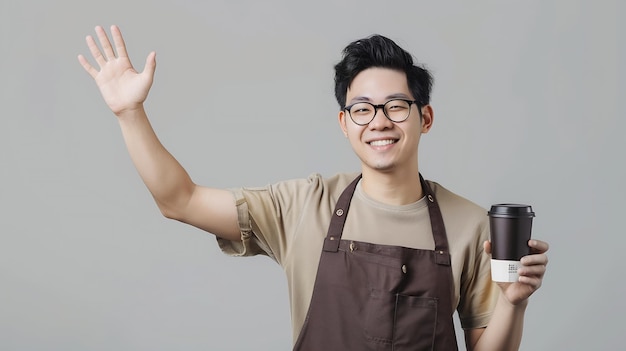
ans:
(177, 196)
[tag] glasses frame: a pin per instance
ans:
(382, 107)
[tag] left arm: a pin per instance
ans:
(504, 331)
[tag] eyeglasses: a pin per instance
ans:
(397, 110)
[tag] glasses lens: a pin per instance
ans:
(362, 113)
(397, 110)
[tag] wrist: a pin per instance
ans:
(518, 305)
(130, 114)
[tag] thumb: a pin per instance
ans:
(150, 65)
(487, 246)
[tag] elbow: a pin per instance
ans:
(175, 204)
(169, 212)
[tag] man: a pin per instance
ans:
(378, 259)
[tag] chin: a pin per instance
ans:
(382, 166)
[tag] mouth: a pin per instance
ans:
(383, 142)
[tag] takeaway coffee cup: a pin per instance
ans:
(510, 226)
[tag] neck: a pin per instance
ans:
(393, 188)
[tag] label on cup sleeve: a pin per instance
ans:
(504, 270)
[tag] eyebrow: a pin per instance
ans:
(387, 98)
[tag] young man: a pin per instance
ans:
(379, 259)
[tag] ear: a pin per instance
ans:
(427, 118)
(342, 122)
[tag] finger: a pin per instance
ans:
(532, 271)
(105, 43)
(87, 66)
(533, 281)
(150, 65)
(120, 45)
(95, 51)
(538, 246)
(534, 259)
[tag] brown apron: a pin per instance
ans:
(380, 297)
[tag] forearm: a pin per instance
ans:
(505, 328)
(166, 179)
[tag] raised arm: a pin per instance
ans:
(124, 90)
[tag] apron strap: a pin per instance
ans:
(436, 219)
(331, 243)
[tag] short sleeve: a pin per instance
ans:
(478, 292)
(269, 216)
(250, 244)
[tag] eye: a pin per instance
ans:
(361, 109)
(397, 105)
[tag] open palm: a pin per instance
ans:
(121, 86)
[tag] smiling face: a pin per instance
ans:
(382, 145)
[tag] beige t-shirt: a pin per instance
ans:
(289, 220)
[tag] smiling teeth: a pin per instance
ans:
(382, 142)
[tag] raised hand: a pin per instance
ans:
(122, 87)
(531, 272)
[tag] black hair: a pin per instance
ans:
(379, 51)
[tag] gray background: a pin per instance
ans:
(528, 101)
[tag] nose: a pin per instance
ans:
(380, 121)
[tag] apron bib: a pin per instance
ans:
(380, 297)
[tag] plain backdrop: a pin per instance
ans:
(528, 102)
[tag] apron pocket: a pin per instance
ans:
(414, 323)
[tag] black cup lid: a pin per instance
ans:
(511, 211)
